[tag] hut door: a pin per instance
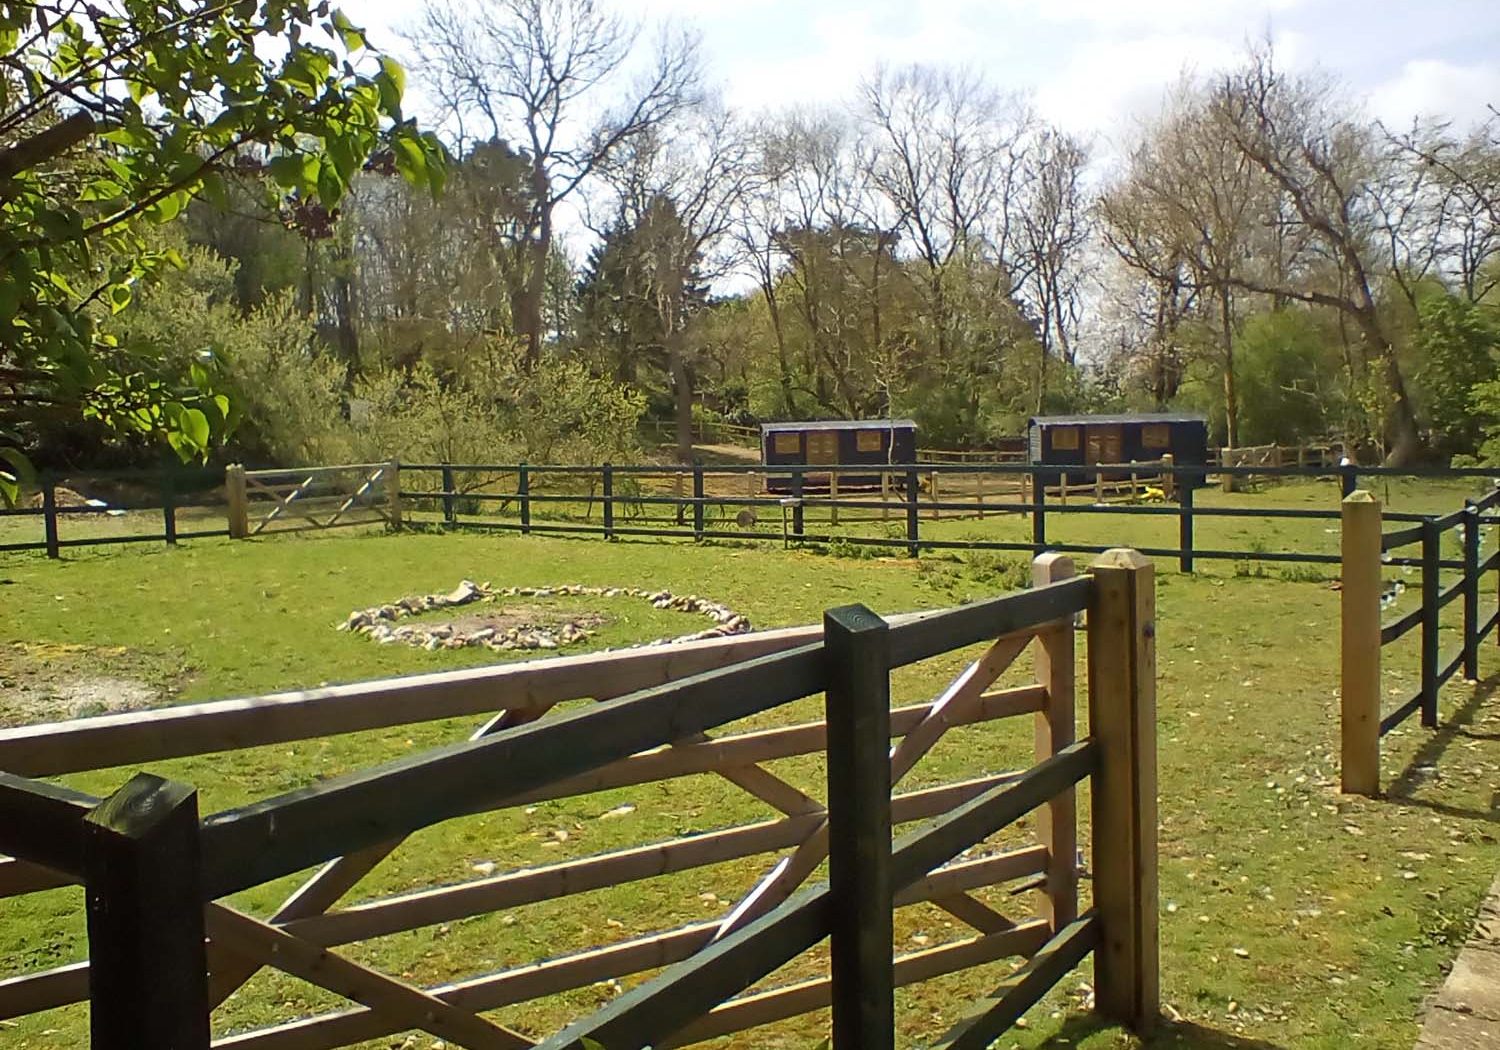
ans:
(1106, 444)
(822, 446)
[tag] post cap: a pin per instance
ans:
(1121, 558)
(1360, 496)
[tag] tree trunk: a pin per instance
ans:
(529, 323)
(1403, 442)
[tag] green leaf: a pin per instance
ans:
(391, 80)
(119, 297)
(352, 36)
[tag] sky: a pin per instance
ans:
(1093, 67)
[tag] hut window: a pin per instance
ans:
(868, 441)
(788, 443)
(1065, 439)
(1156, 435)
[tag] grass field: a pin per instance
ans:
(1292, 916)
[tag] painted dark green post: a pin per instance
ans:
(1471, 591)
(858, 711)
(450, 514)
(523, 492)
(607, 483)
(49, 517)
(698, 501)
(1432, 538)
(913, 514)
(168, 507)
(1348, 478)
(1039, 512)
(798, 486)
(148, 970)
(1185, 523)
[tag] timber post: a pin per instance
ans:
(1359, 646)
(523, 496)
(392, 478)
(1057, 827)
(49, 517)
(148, 965)
(698, 501)
(913, 514)
(1122, 718)
(1038, 513)
(607, 492)
(858, 712)
(1432, 549)
(1471, 591)
(238, 501)
(168, 507)
(450, 510)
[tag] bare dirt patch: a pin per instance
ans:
(46, 683)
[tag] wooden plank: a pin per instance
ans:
(267, 839)
(1122, 718)
(952, 706)
(148, 970)
(1360, 639)
(43, 823)
(20, 877)
(921, 638)
(858, 713)
(991, 1017)
(393, 1000)
(1054, 730)
(139, 737)
(778, 1004)
(32, 993)
(974, 912)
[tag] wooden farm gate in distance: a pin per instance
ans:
(298, 499)
(157, 967)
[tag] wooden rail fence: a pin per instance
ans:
(158, 964)
(1366, 551)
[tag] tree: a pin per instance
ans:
(113, 117)
(1324, 164)
(537, 72)
(1457, 345)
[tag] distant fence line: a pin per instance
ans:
(707, 503)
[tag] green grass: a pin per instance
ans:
(1292, 916)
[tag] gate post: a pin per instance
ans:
(1122, 718)
(607, 485)
(148, 968)
(1359, 646)
(450, 511)
(858, 701)
(238, 501)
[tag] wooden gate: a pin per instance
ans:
(306, 498)
(657, 708)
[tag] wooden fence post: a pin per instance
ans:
(858, 712)
(450, 509)
(1038, 513)
(799, 486)
(238, 501)
(1432, 549)
(932, 484)
(1348, 477)
(1185, 526)
(49, 517)
(698, 501)
(1122, 718)
(1471, 591)
(393, 492)
(168, 508)
(1168, 477)
(1062, 489)
(523, 494)
(833, 496)
(607, 484)
(148, 968)
(1359, 646)
(1057, 827)
(913, 512)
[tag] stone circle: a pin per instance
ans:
(381, 622)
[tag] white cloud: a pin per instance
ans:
(1435, 88)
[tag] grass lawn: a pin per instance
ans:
(1292, 917)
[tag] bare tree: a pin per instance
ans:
(681, 186)
(549, 75)
(1055, 227)
(1324, 162)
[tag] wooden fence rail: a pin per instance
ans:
(652, 721)
(1365, 552)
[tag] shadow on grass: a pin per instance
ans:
(1179, 1035)
(1458, 727)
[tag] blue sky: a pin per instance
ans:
(1092, 66)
